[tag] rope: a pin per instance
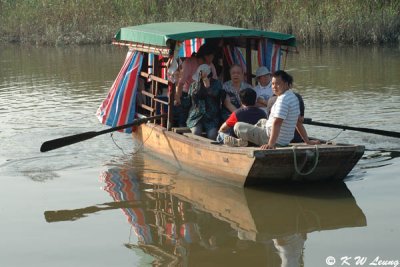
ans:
(140, 146)
(313, 167)
(335, 136)
(115, 143)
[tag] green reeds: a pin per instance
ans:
(59, 22)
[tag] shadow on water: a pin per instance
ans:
(378, 158)
(181, 220)
(372, 159)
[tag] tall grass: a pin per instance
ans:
(59, 22)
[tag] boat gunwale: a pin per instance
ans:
(252, 151)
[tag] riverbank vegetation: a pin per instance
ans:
(62, 22)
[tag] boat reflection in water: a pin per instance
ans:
(184, 221)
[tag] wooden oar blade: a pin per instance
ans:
(65, 141)
(69, 140)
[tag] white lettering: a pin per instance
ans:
(360, 260)
(345, 260)
(378, 262)
(375, 261)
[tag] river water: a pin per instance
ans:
(102, 202)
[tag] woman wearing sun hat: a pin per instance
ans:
(263, 87)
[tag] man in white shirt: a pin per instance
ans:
(280, 126)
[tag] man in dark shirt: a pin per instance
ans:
(248, 113)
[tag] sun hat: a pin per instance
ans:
(203, 68)
(262, 71)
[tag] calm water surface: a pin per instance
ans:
(102, 203)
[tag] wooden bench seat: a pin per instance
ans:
(181, 130)
(200, 138)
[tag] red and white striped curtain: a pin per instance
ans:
(120, 105)
(269, 54)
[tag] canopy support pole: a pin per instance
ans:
(248, 61)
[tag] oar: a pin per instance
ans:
(365, 130)
(72, 139)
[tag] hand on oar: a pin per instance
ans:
(365, 130)
(72, 139)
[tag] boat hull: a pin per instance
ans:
(248, 165)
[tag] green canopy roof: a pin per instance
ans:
(158, 34)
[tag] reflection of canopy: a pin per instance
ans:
(189, 231)
(122, 185)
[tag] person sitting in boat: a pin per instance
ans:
(263, 87)
(232, 88)
(248, 113)
(206, 95)
(204, 55)
(280, 126)
(300, 133)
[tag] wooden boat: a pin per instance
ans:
(239, 166)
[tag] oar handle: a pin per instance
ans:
(359, 129)
(72, 139)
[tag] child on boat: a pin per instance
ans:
(248, 113)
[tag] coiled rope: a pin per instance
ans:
(296, 167)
